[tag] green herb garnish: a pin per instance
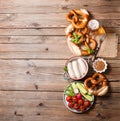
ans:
(76, 38)
(90, 51)
(65, 69)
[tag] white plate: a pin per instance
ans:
(73, 110)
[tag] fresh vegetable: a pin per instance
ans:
(80, 101)
(87, 103)
(79, 96)
(82, 108)
(65, 69)
(70, 104)
(76, 38)
(81, 88)
(90, 51)
(69, 91)
(69, 98)
(76, 106)
(84, 92)
(74, 99)
(75, 88)
(88, 97)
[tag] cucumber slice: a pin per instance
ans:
(81, 88)
(88, 97)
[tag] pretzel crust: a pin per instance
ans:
(97, 84)
(78, 18)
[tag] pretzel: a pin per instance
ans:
(81, 31)
(72, 15)
(85, 45)
(90, 45)
(91, 42)
(97, 84)
(78, 18)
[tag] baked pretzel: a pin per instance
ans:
(91, 43)
(88, 47)
(97, 84)
(78, 18)
(85, 44)
(72, 15)
(82, 31)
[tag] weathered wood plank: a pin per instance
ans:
(45, 31)
(34, 32)
(47, 20)
(48, 85)
(32, 39)
(42, 50)
(44, 75)
(45, 105)
(38, 6)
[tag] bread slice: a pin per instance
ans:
(74, 48)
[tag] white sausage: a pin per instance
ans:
(70, 70)
(76, 69)
(80, 71)
(82, 66)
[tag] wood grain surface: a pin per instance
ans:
(33, 52)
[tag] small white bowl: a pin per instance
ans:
(93, 24)
(100, 70)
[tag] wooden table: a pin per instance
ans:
(33, 51)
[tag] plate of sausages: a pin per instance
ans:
(76, 68)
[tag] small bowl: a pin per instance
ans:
(100, 65)
(67, 76)
(93, 24)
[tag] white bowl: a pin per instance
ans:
(100, 71)
(75, 58)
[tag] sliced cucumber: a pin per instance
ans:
(81, 88)
(74, 86)
(88, 97)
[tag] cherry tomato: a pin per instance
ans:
(87, 103)
(80, 102)
(74, 99)
(82, 108)
(76, 106)
(69, 98)
(70, 104)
